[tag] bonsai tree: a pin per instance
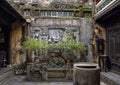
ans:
(70, 46)
(43, 49)
(32, 45)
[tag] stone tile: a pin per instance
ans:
(110, 78)
(20, 80)
(55, 83)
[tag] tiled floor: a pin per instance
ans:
(20, 80)
(111, 78)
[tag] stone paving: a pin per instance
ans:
(20, 80)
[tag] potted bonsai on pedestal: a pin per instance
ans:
(31, 45)
(70, 46)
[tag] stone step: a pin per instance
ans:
(5, 73)
(58, 80)
(110, 78)
(56, 74)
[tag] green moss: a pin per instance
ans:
(87, 9)
(78, 5)
(85, 6)
(28, 17)
(28, 7)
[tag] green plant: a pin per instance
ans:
(33, 45)
(70, 46)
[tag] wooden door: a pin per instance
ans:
(114, 49)
(2, 49)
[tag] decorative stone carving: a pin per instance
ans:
(55, 59)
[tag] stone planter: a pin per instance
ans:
(86, 74)
(29, 66)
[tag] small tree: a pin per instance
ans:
(70, 46)
(32, 45)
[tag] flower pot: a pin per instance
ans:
(68, 61)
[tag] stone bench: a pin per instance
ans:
(44, 72)
(56, 72)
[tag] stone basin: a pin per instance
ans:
(86, 74)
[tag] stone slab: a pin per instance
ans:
(5, 73)
(20, 80)
(110, 78)
(58, 74)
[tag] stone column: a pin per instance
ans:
(44, 73)
(28, 71)
(69, 73)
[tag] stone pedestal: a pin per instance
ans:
(69, 72)
(29, 66)
(44, 73)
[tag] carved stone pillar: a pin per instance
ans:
(44, 73)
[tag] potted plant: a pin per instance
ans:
(70, 46)
(30, 45)
(43, 49)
